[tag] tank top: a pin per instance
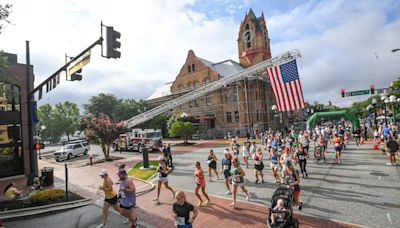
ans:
(235, 171)
(108, 194)
(128, 199)
(301, 155)
(160, 173)
(287, 158)
(274, 159)
(226, 165)
(336, 143)
(199, 177)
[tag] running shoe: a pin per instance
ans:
(99, 226)
(256, 181)
(207, 202)
(300, 206)
(199, 203)
(155, 200)
(248, 197)
(228, 193)
(262, 181)
(307, 175)
(233, 205)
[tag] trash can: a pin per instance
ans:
(47, 176)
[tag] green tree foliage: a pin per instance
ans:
(102, 104)
(102, 131)
(183, 130)
(63, 118)
(128, 108)
(5, 11)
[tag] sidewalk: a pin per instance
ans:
(218, 213)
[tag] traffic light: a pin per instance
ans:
(39, 146)
(342, 92)
(113, 43)
(77, 75)
(372, 89)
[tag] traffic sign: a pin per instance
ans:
(360, 92)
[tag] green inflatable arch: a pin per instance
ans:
(336, 114)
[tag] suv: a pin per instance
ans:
(72, 149)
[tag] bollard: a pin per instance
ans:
(91, 159)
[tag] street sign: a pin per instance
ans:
(79, 63)
(360, 92)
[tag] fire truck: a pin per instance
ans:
(133, 141)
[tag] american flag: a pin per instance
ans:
(286, 86)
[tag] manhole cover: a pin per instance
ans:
(379, 174)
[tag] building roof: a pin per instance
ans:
(162, 91)
(225, 68)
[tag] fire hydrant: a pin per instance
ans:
(91, 159)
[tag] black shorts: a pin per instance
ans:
(112, 201)
(227, 175)
(126, 207)
(259, 167)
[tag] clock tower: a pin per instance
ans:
(253, 40)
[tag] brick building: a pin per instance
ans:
(243, 106)
(15, 161)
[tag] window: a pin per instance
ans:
(229, 117)
(193, 68)
(258, 115)
(11, 156)
(235, 96)
(208, 100)
(196, 103)
(76, 146)
(206, 82)
(190, 87)
(189, 69)
(237, 117)
(247, 27)
(228, 97)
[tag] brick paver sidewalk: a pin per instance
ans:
(218, 213)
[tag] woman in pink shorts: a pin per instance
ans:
(200, 183)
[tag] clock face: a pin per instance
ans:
(247, 36)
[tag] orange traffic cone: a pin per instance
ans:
(362, 140)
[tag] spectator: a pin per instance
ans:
(392, 148)
(11, 192)
(169, 153)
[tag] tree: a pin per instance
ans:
(45, 116)
(183, 130)
(102, 103)
(4, 14)
(127, 108)
(66, 118)
(102, 131)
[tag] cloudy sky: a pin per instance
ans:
(344, 44)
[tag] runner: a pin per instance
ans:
(322, 144)
(200, 183)
(128, 197)
(226, 167)
(110, 196)
(245, 153)
(286, 156)
(292, 178)
(212, 164)
(274, 165)
(182, 211)
(337, 143)
(269, 146)
(253, 149)
(356, 135)
(162, 178)
(305, 142)
(237, 180)
(385, 133)
(392, 147)
(258, 165)
(302, 158)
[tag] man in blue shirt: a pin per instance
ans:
(385, 132)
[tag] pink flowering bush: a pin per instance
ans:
(103, 131)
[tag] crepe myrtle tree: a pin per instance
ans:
(102, 131)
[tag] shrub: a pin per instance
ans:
(46, 195)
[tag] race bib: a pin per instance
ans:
(226, 167)
(237, 179)
(258, 162)
(337, 145)
(180, 221)
(208, 161)
(302, 157)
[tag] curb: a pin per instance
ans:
(24, 212)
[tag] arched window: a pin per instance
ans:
(206, 82)
(193, 68)
(190, 86)
(247, 27)
(189, 69)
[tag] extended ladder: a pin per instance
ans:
(213, 86)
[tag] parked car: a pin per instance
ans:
(72, 149)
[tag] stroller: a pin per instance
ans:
(284, 192)
(318, 154)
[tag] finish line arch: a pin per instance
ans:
(339, 114)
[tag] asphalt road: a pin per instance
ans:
(362, 190)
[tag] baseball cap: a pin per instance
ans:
(226, 151)
(103, 172)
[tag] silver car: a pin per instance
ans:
(72, 149)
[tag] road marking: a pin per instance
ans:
(388, 217)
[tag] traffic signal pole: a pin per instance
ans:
(64, 68)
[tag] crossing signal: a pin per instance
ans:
(342, 92)
(372, 89)
(77, 75)
(113, 43)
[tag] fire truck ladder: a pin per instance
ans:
(202, 91)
